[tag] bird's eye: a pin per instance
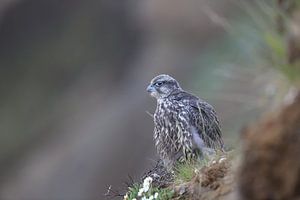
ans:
(158, 83)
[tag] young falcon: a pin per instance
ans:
(185, 126)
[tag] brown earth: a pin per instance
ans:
(271, 164)
(215, 181)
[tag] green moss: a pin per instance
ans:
(133, 191)
(185, 172)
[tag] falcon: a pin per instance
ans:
(185, 127)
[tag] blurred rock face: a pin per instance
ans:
(64, 78)
(271, 168)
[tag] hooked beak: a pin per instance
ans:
(150, 89)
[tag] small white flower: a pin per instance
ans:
(134, 199)
(155, 195)
(144, 198)
(126, 197)
(147, 183)
(151, 197)
(146, 188)
(148, 180)
(141, 190)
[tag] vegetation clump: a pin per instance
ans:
(188, 180)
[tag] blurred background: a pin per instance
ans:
(73, 106)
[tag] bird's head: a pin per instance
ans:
(162, 86)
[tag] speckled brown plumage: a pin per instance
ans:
(185, 126)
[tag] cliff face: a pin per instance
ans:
(271, 166)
